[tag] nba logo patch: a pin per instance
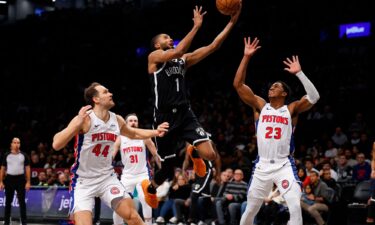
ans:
(115, 190)
(285, 184)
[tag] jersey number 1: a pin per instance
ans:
(177, 85)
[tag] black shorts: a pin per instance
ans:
(183, 127)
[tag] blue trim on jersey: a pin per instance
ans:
(292, 146)
(74, 170)
(294, 167)
(252, 172)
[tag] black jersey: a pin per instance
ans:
(168, 85)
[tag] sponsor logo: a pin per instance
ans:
(197, 186)
(285, 184)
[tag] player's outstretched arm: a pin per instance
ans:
(152, 148)
(62, 138)
(312, 95)
(136, 133)
(246, 94)
(161, 56)
(201, 53)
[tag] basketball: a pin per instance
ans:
(227, 7)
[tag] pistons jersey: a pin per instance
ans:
(133, 157)
(93, 150)
(168, 84)
(274, 133)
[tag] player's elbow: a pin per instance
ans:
(56, 146)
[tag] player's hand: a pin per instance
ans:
(372, 174)
(293, 65)
(1, 186)
(229, 197)
(251, 47)
(162, 129)
(198, 16)
(235, 16)
(84, 112)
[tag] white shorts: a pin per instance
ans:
(130, 182)
(85, 190)
(283, 174)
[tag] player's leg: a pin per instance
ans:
(82, 202)
(83, 217)
(199, 138)
(129, 188)
(286, 180)
(260, 186)
(113, 194)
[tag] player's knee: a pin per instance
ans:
(115, 203)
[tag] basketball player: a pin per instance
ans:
(274, 164)
(96, 131)
(136, 169)
(167, 66)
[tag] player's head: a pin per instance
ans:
(132, 120)
(279, 89)
(97, 94)
(161, 41)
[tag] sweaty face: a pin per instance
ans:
(132, 121)
(276, 90)
(164, 42)
(104, 97)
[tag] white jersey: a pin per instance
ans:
(274, 133)
(93, 150)
(133, 157)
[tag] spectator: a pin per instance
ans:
(344, 170)
(339, 138)
(362, 170)
(319, 189)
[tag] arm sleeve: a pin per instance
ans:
(312, 93)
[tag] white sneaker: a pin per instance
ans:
(160, 220)
(201, 223)
(173, 220)
(180, 223)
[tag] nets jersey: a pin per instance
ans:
(133, 157)
(274, 132)
(93, 150)
(168, 84)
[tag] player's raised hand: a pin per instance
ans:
(237, 13)
(84, 112)
(293, 65)
(198, 16)
(251, 47)
(162, 129)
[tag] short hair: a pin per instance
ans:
(286, 88)
(153, 42)
(91, 92)
(130, 114)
